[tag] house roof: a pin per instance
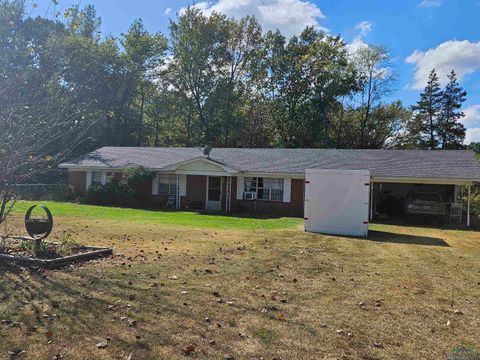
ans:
(445, 164)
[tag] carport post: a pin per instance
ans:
(468, 205)
(371, 201)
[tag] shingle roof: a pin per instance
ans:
(445, 164)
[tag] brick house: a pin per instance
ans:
(271, 180)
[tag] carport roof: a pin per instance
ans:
(433, 164)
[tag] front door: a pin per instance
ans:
(214, 193)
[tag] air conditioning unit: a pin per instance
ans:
(250, 195)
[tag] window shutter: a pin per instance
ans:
(155, 185)
(240, 187)
(287, 189)
(104, 177)
(183, 185)
(89, 179)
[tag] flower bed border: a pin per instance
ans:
(92, 253)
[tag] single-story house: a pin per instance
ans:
(273, 180)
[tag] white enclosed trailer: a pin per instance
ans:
(337, 201)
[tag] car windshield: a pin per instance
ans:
(426, 197)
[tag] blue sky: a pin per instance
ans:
(420, 34)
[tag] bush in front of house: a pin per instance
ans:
(132, 189)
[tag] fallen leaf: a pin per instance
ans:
(188, 349)
(102, 345)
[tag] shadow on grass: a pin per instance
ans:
(389, 237)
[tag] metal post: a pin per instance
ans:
(371, 201)
(468, 205)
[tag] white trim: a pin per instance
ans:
(155, 185)
(228, 197)
(200, 172)
(370, 217)
(403, 180)
(287, 189)
(226, 168)
(376, 179)
(177, 184)
(183, 185)
(276, 175)
(88, 180)
(240, 187)
(221, 193)
(92, 168)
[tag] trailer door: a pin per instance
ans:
(337, 201)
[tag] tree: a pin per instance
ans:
(37, 104)
(195, 44)
(214, 61)
(305, 78)
(144, 54)
(383, 130)
(451, 131)
(427, 112)
(376, 80)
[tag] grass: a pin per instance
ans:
(180, 218)
(178, 292)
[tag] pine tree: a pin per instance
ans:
(427, 111)
(451, 131)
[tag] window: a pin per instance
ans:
(265, 188)
(167, 184)
(96, 178)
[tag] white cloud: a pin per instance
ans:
(472, 116)
(461, 56)
(431, 3)
(290, 16)
(364, 27)
(473, 135)
(168, 11)
(472, 123)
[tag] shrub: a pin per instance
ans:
(63, 193)
(131, 190)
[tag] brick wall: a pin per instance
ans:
(78, 181)
(196, 195)
(293, 208)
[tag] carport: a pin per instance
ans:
(348, 189)
(388, 195)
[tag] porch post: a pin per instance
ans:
(226, 193)
(468, 205)
(178, 192)
(230, 201)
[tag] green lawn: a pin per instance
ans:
(181, 218)
(194, 286)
